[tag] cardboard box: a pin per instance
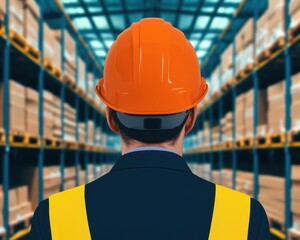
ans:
(295, 14)
(31, 26)
(14, 214)
(296, 173)
(22, 194)
(13, 199)
(25, 209)
(31, 95)
(17, 118)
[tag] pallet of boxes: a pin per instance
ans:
(294, 134)
(16, 112)
(81, 87)
(244, 60)
(240, 104)
(270, 35)
(227, 77)
(69, 126)
(294, 232)
(2, 14)
(32, 117)
(69, 57)
(276, 113)
(69, 180)
(295, 18)
(272, 197)
(52, 49)
(20, 207)
(226, 125)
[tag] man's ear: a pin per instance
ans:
(110, 120)
(190, 122)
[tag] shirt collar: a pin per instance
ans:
(151, 159)
(150, 148)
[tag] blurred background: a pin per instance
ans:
(53, 131)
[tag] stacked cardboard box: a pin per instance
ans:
(227, 65)
(214, 83)
(240, 104)
(216, 176)
(81, 132)
(276, 107)
(90, 133)
(56, 117)
(51, 180)
(244, 182)
(16, 106)
(106, 167)
(296, 196)
(48, 114)
(19, 205)
(227, 177)
(98, 171)
(98, 135)
(31, 22)
(244, 46)
(295, 94)
(215, 135)
(271, 196)
(270, 26)
(32, 113)
(2, 11)
(69, 177)
(81, 74)
(91, 85)
(294, 13)
(52, 47)
(69, 122)
(262, 110)
(226, 124)
(16, 16)
(69, 53)
(90, 170)
(203, 170)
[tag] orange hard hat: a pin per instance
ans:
(151, 69)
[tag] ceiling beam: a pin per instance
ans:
(106, 14)
(178, 13)
(124, 8)
(196, 14)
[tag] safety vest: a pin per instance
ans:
(68, 218)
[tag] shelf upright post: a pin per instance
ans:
(233, 151)
(220, 108)
(95, 112)
(62, 99)
(86, 115)
(77, 152)
(5, 163)
(255, 107)
(41, 99)
(287, 62)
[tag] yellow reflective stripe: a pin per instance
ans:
(67, 213)
(231, 215)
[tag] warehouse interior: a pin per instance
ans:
(53, 131)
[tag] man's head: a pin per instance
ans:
(152, 84)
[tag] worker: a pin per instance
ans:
(151, 85)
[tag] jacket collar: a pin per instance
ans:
(151, 159)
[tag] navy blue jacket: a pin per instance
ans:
(150, 195)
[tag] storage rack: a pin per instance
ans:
(282, 64)
(12, 56)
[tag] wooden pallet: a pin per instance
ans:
(228, 84)
(294, 137)
(20, 42)
(267, 53)
(32, 140)
(80, 91)
(17, 138)
(264, 55)
(69, 81)
(57, 143)
(227, 145)
(2, 136)
(239, 143)
(261, 141)
(276, 138)
(245, 71)
(294, 32)
(294, 234)
(52, 69)
(70, 144)
(278, 44)
(248, 142)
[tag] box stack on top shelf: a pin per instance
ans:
(52, 49)
(226, 124)
(69, 55)
(227, 77)
(32, 111)
(272, 197)
(69, 122)
(31, 22)
(16, 17)
(296, 196)
(244, 49)
(276, 108)
(271, 29)
(16, 107)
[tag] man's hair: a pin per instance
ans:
(129, 139)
